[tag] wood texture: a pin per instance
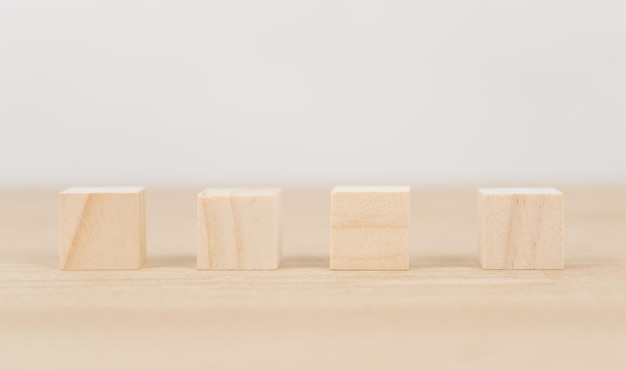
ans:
(102, 228)
(521, 228)
(370, 228)
(239, 229)
(445, 312)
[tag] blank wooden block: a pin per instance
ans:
(239, 229)
(521, 228)
(102, 228)
(370, 228)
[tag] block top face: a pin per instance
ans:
(226, 192)
(104, 190)
(520, 191)
(371, 189)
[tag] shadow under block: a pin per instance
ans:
(102, 228)
(370, 228)
(239, 229)
(521, 228)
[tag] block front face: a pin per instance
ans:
(239, 229)
(370, 228)
(102, 228)
(521, 229)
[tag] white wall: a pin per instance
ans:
(312, 91)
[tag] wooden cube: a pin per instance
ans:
(521, 228)
(102, 228)
(239, 229)
(370, 228)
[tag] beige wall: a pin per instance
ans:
(309, 92)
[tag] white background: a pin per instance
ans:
(312, 91)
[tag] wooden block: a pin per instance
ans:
(370, 228)
(521, 228)
(239, 229)
(102, 228)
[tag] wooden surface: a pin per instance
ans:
(239, 229)
(521, 229)
(369, 228)
(445, 312)
(102, 228)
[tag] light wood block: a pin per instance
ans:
(370, 228)
(102, 228)
(239, 229)
(521, 228)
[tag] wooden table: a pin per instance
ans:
(445, 312)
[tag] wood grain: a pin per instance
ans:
(239, 229)
(444, 312)
(370, 228)
(102, 228)
(521, 228)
